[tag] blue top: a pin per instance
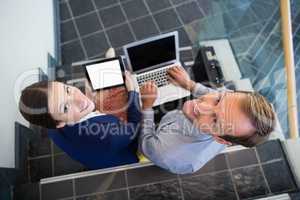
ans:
(177, 145)
(102, 141)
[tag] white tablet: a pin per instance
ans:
(106, 73)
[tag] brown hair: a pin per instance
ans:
(33, 105)
(262, 117)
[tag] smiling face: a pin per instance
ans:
(219, 114)
(67, 104)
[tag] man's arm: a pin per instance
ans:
(158, 145)
(178, 76)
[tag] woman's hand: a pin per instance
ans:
(129, 83)
(148, 94)
(88, 91)
(178, 76)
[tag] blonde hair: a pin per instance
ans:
(262, 117)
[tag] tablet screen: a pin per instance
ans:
(105, 74)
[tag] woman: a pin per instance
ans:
(97, 140)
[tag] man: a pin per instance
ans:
(187, 139)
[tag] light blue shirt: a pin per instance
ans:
(177, 145)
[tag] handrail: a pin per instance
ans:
(286, 27)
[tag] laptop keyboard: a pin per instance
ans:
(160, 77)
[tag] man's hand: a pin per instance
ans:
(178, 76)
(148, 93)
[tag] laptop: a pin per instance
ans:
(149, 59)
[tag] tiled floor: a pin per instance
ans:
(243, 174)
(89, 27)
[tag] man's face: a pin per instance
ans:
(219, 114)
(67, 104)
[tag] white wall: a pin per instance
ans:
(26, 36)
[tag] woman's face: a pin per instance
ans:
(67, 104)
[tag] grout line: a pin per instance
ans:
(39, 157)
(68, 42)
(78, 16)
(74, 189)
(102, 24)
(99, 193)
(232, 179)
(40, 191)
(180, 187)
(177, 14)
(204, 174)
(126, 182)
(94, 172)
(88, 35)
(127, 21)
(151, 14)
(77, 31)
(44, 156)
(202, 11)
(152, 183)
(262, 31)
(52, 158)
(262, 171)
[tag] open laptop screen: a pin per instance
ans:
(152, 53)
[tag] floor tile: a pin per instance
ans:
(95, 44)
(206, 6)
(216, 164)
(103, 3)
(56, 149)
(189, 12)
(155, 5)
(279, 177)
(186, 55)
(213, 186)
(295, 195)
(64, 11)
(39, 145)
(249, 182)
(28, 191)
(175, 2)
(57, 190)
(40, 168)
(270, 150)
(167, 20)
(100, 183)
(119, 36)
(116, 195)
(63, 164)
(134, 9)
(88, 24)
(147, 175)
(144, 27)
(112, 16)
(166, 190)
(184, 39)
(80, 7)
(72, 52)
(242, 158)
(67, 31)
